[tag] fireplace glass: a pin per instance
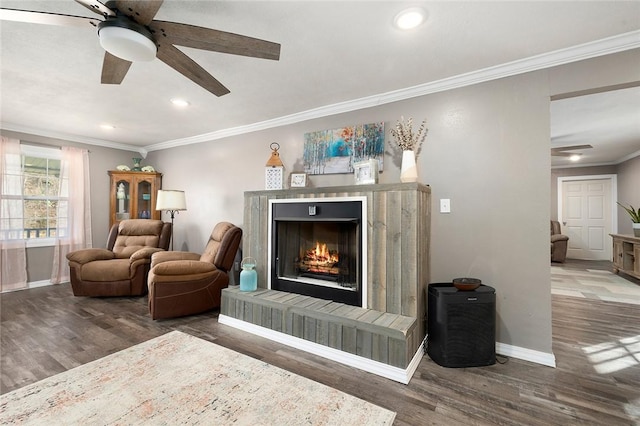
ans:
(317, 255)
(321, 253)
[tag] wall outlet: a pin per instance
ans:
(445, 205)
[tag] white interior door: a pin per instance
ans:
(585, 214)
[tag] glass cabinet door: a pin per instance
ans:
(144, 200)
(123, 200)
(133, 195)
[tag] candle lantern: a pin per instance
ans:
(274, 170)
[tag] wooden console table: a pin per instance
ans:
(626, 254)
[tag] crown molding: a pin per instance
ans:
(71, 138)
(629, 157)
(606, 46)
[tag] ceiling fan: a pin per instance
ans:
(128, 33)
(561, 151)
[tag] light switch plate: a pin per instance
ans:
(445, 205)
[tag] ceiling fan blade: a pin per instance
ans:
(213, 40)
(142, 11)
(47, 18)
(571, 148)
(180, 62)
(97, 7)
(562, 154)
(113, 69)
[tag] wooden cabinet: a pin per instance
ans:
(618, 253)
(626, 254)
(132, 195)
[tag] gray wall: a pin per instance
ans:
(40, 259)
(628, 191)
(487, 150)
(474, 135)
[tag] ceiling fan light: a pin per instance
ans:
(125, 43)
(575, 157)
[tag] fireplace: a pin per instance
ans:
(317, 248)
(385, 334)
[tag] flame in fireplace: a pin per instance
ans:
(322, 255)
(320, 259)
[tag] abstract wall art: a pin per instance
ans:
(335, 151)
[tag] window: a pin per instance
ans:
(43, 214)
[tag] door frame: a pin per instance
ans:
(613, 178)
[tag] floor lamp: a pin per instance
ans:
(172, 202)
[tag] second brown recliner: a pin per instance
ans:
(559, 243)
(185, 283)
(121, 268)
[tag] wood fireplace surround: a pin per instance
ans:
(385, 336)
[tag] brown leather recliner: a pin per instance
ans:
(122, 268)
(559, 243)
(185, 283)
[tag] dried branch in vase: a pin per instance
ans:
(406, 140)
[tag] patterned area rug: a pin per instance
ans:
(593, 284)
(180, 379)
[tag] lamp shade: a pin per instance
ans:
(171, 200)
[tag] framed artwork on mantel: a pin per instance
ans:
(366, 172)
(298, 180)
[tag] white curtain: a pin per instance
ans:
(76, 212)
(13, 256)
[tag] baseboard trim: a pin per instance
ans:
(525, 354)
(384, 370)
(41, 283)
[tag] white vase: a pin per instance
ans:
(408, 170)
(636, 229)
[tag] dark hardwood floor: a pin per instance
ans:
(47, 330)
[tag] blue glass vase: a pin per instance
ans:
(248, 275)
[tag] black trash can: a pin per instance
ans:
(461, 325)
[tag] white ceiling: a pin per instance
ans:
(608, 121)
(335, 56)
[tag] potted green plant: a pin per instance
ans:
(635, 218)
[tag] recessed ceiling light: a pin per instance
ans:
(410, 18)
(180, 102)
(107, 126)
(575, 157)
